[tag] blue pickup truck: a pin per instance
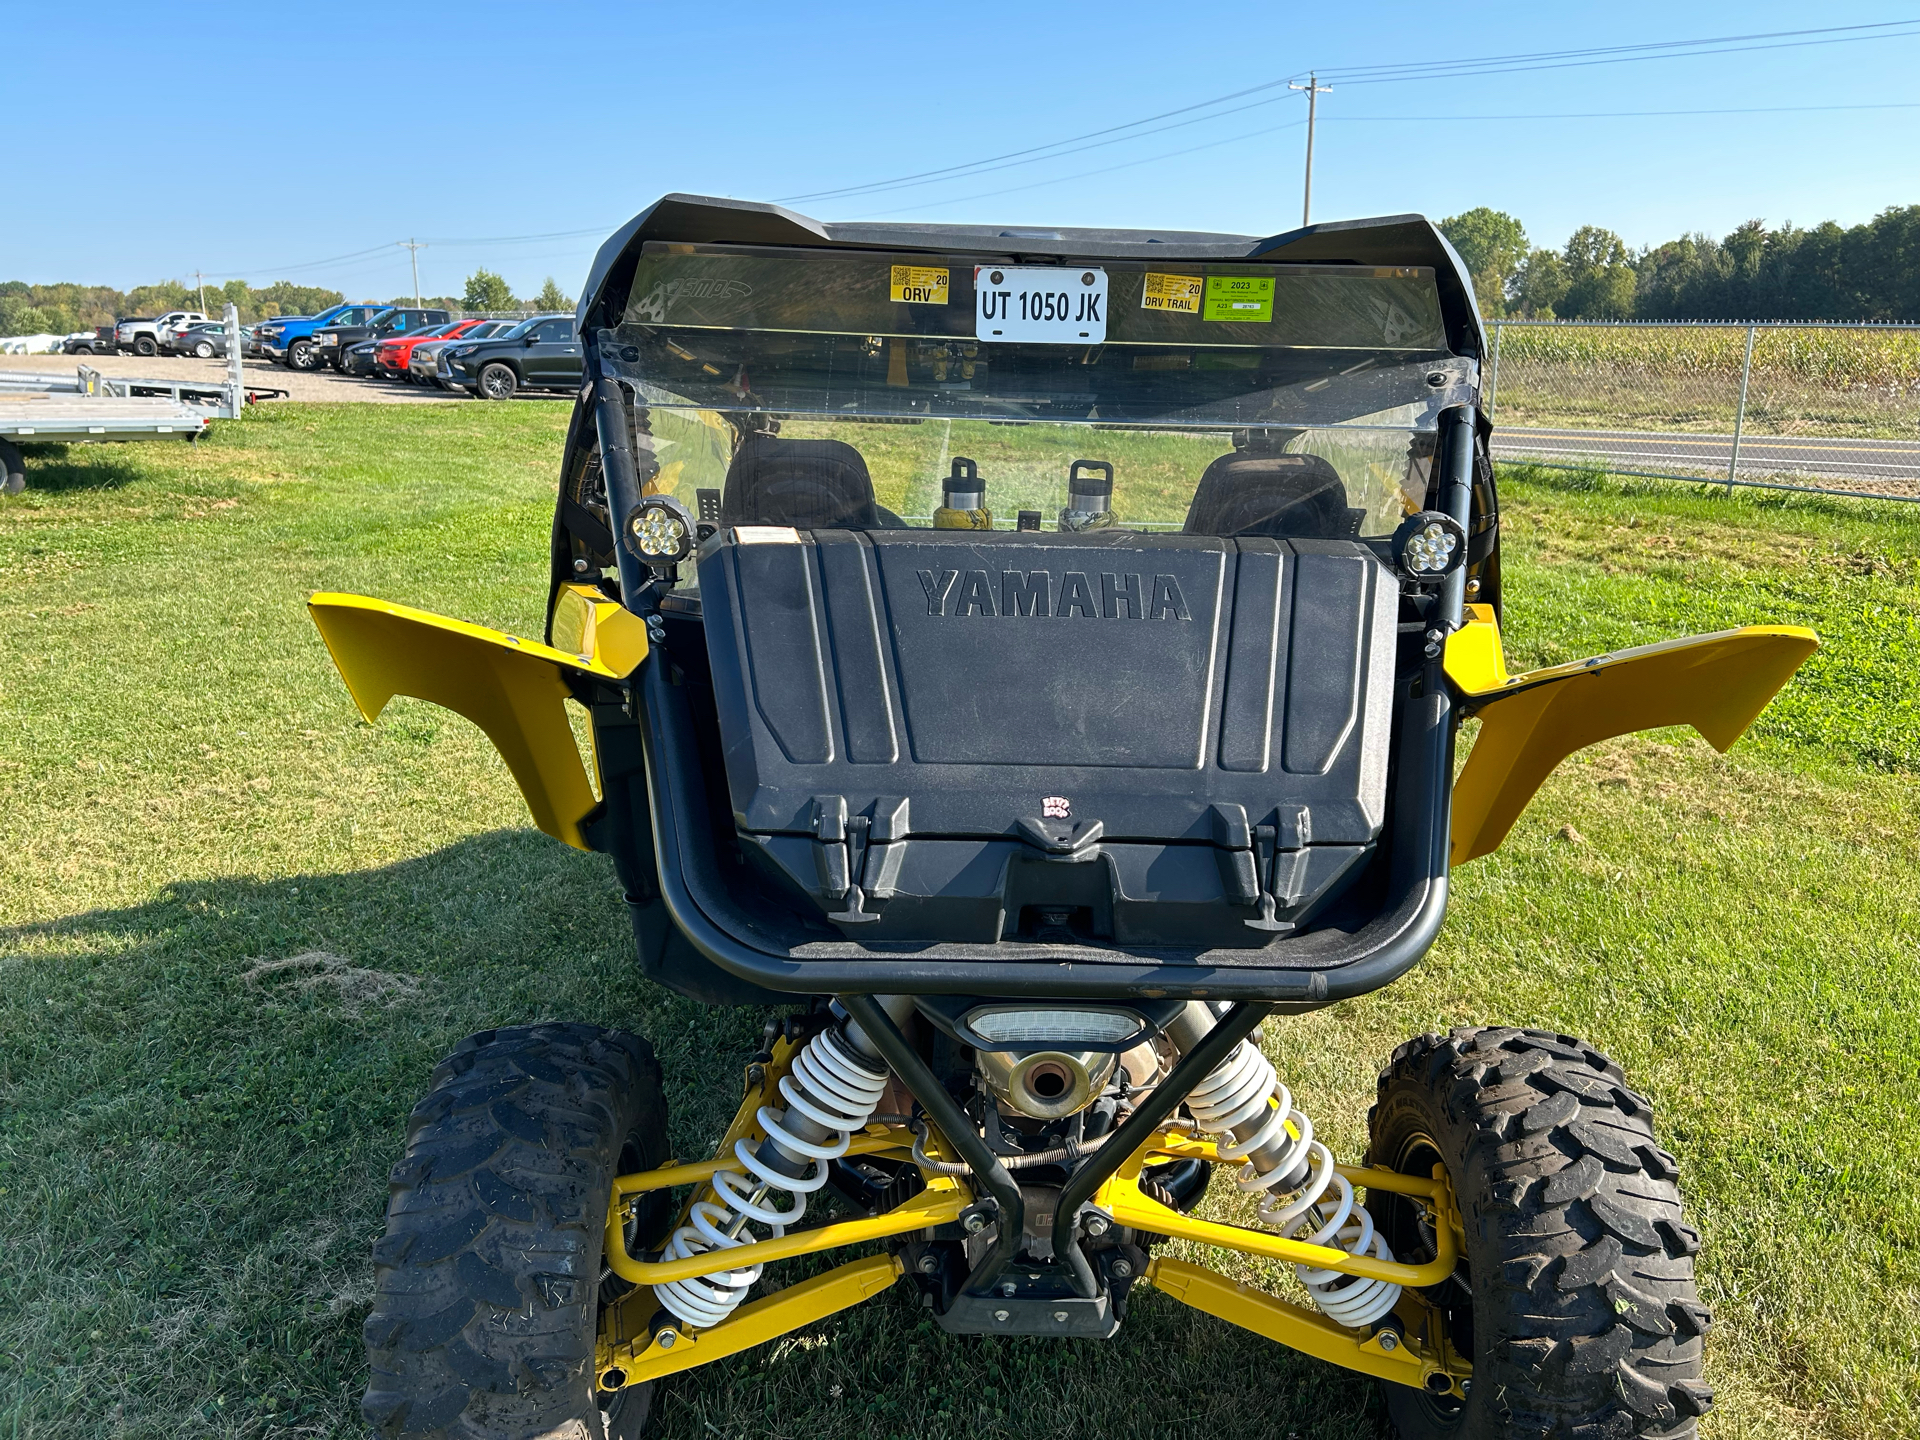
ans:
(289, 338)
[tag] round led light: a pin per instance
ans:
(659, 530)
(1430, 546)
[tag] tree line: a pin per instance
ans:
(1869, 271)
(1830, 272)
(62, 309)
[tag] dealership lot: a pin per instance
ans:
(299, 384)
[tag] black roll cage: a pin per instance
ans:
(1296, 972)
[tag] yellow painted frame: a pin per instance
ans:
(630, 1353)
(1529, 723)
(1122, 1198)
(513, 689)
(1418, 1352)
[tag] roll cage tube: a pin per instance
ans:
(1139, 1127)
(958, 1129)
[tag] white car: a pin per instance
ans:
(144, 337)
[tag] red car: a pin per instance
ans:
(390, 357)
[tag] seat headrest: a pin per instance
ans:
(808, 484)
(1283, 496)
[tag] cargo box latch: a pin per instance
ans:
(1063, 841)
(1263, 865)
(848, 846)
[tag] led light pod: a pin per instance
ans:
(659, 530)
(1430, 546)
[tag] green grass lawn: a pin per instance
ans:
(194, 1135)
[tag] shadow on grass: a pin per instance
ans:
(195, 1130)
(57, 468)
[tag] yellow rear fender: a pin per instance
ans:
(1529, 723)
(514, 689)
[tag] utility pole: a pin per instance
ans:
(414, 248)
(201, 280)
(1314, 90)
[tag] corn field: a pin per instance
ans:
(1791, 405)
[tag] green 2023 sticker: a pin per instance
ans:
(1238, 297)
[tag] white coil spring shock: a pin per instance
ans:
(829, 1087)
(1296, 1171)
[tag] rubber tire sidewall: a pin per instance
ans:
(495, 368)
(301, 357)
(487, 1281)
(13, 470)
(1564, 1309)
(145, 346)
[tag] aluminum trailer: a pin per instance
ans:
(89, 407)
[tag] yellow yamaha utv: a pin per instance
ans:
(1030, 659)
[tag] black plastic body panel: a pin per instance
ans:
(742, 918)
(1372, 936)
(1143, 677)
(971, 700)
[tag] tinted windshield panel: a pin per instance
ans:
(821, 472)
(819, 389)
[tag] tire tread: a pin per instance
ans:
(1589, 1319)
(486, 1281)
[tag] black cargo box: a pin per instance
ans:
(1132, 738)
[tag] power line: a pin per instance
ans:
(1615, 54)
(1384, 74)
(1103, 170)
(1641, 114)
(992, 160)
(983, 168)
(1397, 119)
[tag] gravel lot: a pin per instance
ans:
(308, 385)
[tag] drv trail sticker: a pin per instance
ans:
(918, 284)
(1040, 305)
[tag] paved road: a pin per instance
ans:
(1760, 455)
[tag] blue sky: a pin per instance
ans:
(349, 126)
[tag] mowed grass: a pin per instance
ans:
(194, 1136)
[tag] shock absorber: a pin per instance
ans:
(1243, 1103)
(833, 1089)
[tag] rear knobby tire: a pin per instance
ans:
(1577, 1302)
(488, 1281)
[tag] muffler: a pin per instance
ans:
(1046, 1084)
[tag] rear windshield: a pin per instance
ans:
(833, 390)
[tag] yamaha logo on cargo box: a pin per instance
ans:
(1079, 595)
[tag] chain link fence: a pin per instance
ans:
(1831, 409)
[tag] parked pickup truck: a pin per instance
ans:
(338, 336)
(143, 336)
(289, 338)
(97, 341)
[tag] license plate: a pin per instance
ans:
(1040, 305)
